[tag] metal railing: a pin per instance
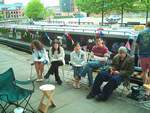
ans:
(124, 33)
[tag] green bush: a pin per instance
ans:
(4, 31)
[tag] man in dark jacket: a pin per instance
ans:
(121, 69)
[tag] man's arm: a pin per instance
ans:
(101, 58)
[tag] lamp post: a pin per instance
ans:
(103, 12)
(78, 16)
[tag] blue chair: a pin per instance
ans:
(12, 94)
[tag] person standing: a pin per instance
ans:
(78, 60)
(143, 44)
(40, 58)
(57, 55)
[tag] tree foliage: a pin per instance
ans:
(146, 4)
(35, 10)
(122, 6)
(93, 6)
(1, 16)
(49, 12)
(118, 6)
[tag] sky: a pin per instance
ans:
(45, 2)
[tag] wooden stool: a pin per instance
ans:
(147, 86)
(47, 90)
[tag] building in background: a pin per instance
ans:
(11, 10)
(67, 6)
(1, 1)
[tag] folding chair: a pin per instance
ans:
(12, 94)
(2, 111)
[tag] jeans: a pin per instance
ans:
(88, 69)
(112, 83)
(77, 71)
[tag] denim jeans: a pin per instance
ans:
(77, 71)
(88, 69)
(112, 82)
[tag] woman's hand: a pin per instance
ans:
(113, 71)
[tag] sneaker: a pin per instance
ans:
(59, 82)
(39, 80)
(90, 96)
(78, 85)
(100, 97)
(74, 85)
(146, 98)
(32, 77)
(46, 77)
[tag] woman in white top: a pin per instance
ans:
(78, 60)
(40, 58)
(56, 54)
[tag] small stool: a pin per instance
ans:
(147, 86)
(47, 90)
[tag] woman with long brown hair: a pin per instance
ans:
(56, 54)
(40, 58)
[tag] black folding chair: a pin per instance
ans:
(12, 94)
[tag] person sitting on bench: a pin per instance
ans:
(122, 68)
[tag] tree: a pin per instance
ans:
(147, 7)
(49, 12)
(1, 16)
(94, 6)
(35, 10)
(146, 4)
(122, 5)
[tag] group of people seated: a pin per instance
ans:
(121, 68)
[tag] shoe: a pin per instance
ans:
(39, 80)
(74, 85)
(146, 98)
(100, 97)
(46, 77)
(90, 96)
(90, 86)
(59, 82)
(78, 86)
